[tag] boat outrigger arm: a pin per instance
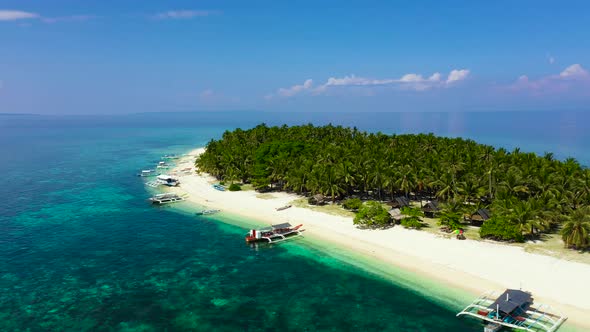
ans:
(524, 317)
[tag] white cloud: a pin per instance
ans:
(571, 77)
(457, 75)
(574, 71)
(415, 82)
(184, 14)
(14, 15)
(294, 90)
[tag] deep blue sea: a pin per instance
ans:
(82, 250)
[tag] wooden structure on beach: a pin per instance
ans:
(479, 217)
(317, 199)
(513, 309)
(399, 202)
(396, 215)
(431, 209)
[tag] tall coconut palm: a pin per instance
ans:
(576, 232)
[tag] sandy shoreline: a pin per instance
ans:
(474, 266)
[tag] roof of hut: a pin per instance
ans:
(431, 206)
(396, 214)
(400, 201)
(483, 213)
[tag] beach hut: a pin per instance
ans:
(396, 215)
(479, 217)
(399, 202)
(318, 199)
(431, 209)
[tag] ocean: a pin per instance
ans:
(82, 250)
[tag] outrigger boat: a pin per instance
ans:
(283, 207)
(219, 187)
(167, 180)
(206, 212)
(147, 172)
(162, 164)
(274, 233)
(167, 198)
(513, 309)
(171, 156)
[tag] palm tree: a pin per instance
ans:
(526, 215)
(576, 232)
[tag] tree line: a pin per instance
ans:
(527, 194)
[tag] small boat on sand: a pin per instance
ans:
(283, 207)
(274, 233)
(207, 212)
(219, 187)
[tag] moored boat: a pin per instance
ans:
(513, 309)
(274, 233)
(163, 165)
(167, 198)
(147, 172)
(167, 180)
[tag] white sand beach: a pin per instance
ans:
(476, 266)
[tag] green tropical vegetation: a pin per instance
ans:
(372, 214)
(352, 204)
(234, 187)
(528, 195)
(576, 231)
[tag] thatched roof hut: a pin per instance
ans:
(430, 209)
(480, 216)
(396, 214)
(400, 202)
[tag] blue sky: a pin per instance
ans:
(111, 57)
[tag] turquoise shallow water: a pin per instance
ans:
(81, 250)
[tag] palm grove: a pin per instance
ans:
(527, 194)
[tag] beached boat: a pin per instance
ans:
(219, 187)
(274, 233)
(283, 207)
(206, 212)
(167, 198)
(147, 172)
(513, 309)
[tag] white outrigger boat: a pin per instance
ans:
(163, 165)
(513, 309)
(274, 233)
(164, 180)
(147, 172)
(167, 198)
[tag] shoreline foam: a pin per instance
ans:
(473, 266)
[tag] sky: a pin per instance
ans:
(119, 57)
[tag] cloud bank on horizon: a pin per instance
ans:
(415, 82)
